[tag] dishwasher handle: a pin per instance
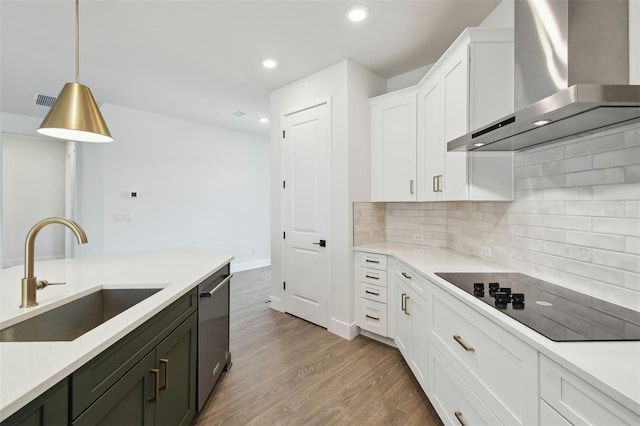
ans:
(210, 293)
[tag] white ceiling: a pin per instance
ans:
(199, 60)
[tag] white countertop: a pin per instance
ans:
(27, 369)
(612, 367)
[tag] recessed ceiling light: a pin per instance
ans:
(357, 13)
(263, 119)
(478, 144)
(269, 63)
(542, 122)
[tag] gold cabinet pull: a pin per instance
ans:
(406, 308)
(371, 261)
(461, 343)
(165, 361)
(156, 395)
(373, 318)
(372, 277)
(375, 293)
(433, 184)
(411, 186)
(403, 302)
(439, 183)
(407, 276)
(459, 417)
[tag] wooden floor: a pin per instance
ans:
(287, 371)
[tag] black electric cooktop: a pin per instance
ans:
(557, 313)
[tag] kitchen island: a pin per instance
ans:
(28, 369)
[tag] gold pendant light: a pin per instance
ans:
(75, 116)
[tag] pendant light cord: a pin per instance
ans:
(77, 43)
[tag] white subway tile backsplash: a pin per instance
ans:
(545, 234)
(632, 245)
(580, 223)
(632, 137)
(542, 155)
(595, 240)
(612, 259)
(618, 226)
(632, 174)
(540, 182)
(595, 208)
(619, 157)
(595, 144)
(593, 271)
(567, 251)
(568, 194)
(627, 191)
(632, 208)
(567, 165)
(595, 177)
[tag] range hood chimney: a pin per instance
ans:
(571, 75)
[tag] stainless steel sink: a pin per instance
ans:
(73, 319)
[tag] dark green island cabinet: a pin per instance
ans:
(146, 378)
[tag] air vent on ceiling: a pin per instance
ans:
(238, 114)
(45, 100)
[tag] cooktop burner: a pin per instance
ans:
(556, 312)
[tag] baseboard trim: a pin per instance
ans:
(343, 329)
(276, 304)
(386, 340)
(254, 264)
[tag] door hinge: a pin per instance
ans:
(284, 285)
(284, 235)
(283, 134)
(284, 184)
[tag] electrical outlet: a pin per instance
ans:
(123, 217)
(486, 251)
(418, 237)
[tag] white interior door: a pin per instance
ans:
(306, 165)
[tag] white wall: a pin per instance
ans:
(349, 86)
(501, 16)
(198, 185)
(407, 79)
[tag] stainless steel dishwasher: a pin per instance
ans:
(213, 332)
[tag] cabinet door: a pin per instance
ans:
(403, 320)
(176, 360)
(131, 401)
(455, 106)
(393, 148)
(50, 408)
(419, 338)
(430, 146)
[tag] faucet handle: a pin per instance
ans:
(44, 283)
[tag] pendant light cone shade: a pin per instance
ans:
(75, 117)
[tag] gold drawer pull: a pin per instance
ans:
(375, 293)
(373, 318)
(371, 277)
(407, 276)
(166, 373)
(372, 261)
(156, 373)
(464, 345)
(459, 417)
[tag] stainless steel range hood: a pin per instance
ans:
(572, 74)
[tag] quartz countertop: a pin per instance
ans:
(27, 369)
(612, 367)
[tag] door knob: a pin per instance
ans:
(321, 243)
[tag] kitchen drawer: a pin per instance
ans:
(373, 292)
(373, 316)
(373, 261)
(549, 416)
(578, 401)
(500, 368)
(452, 398)
(413, 278)
(373, 276)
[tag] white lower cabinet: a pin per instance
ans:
(565, 396)
(371, 279)
(499, 368)
(455, 402)
(411, 333)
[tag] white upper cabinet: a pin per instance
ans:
(393, 146)
(470, 86)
